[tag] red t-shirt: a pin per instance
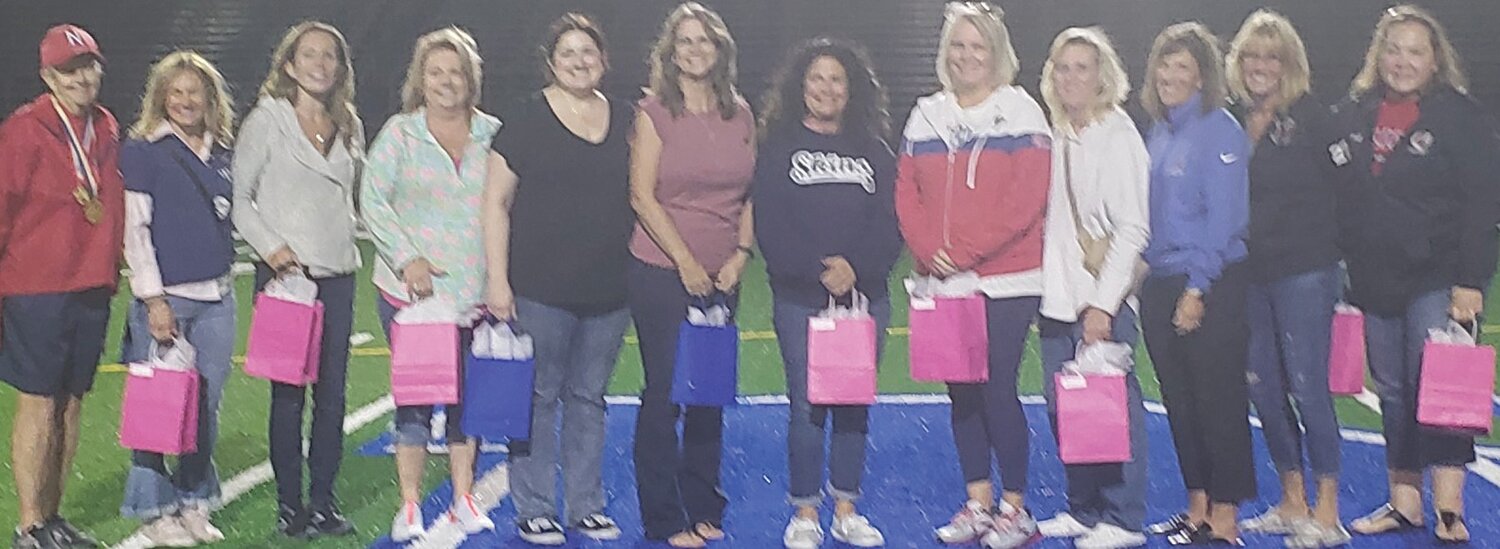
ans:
(46, 244)
(1392, 123)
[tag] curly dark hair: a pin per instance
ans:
(783, 104)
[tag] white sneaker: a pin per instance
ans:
(856, 530)
(802, 533)
(1012, 528)
(195, 520)
(407, 525)
(167, 531)
(1108, 536)
(1062, 525)
(469, 518)
(967, 525)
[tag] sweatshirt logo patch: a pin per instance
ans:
(817, 168)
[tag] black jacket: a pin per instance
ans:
(1292, 225)
(1428, 222)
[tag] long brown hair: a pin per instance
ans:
(664, 72)
(1194, 38)
(340, 98)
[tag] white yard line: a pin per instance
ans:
(1482, 466)
(244, 481)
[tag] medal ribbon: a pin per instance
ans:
(82, 167)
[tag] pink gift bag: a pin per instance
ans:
(424, 363)
(1093, 422)
(285, 340)
(949, 339)
(160, 409)
(1456, 386)
(841, 357)
(1346, 352)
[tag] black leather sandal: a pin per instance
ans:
(1384, 513)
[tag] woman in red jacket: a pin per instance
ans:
(971, 193)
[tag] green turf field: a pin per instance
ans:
(367, 486)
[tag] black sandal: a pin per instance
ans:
(1386, 512)
(1174, 524)
(1450, 519)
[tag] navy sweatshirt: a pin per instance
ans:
(818, 196)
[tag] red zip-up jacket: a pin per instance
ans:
(974, 182)
(46, 244)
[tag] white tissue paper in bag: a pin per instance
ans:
(1452, 334)
(1107, 358)
(859, 308)
(179, 356)
(498, 341)
(429, 311)
(1347, 309)
(714, 315)
(295, 288)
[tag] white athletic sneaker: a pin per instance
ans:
(1062, 525)
(466, 514)
(802, 533)
(1013, 528)
(167, 531)
(967, 525)
(407, 525)
(856, 530)
(1108, 536)
(195, 520)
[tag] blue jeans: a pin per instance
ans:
(805, 433)
(1108, 492)
(413, 424)
(1291, 323)
(1394, 344)
(987, 417)
(575, 355)
(150, 489)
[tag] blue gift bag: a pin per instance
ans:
(500, 390)
(706, 370)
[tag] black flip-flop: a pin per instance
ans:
(1403, 524)
(1173, 524)
(1449, 520)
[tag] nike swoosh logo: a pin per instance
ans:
(1228, 158)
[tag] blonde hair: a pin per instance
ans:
(1114, 85)
(664, 70)
(990, 21)
(453, 39)
(1450, 70)
(218, 121)
(1195, 39)
(1268, 28)
(340, 98)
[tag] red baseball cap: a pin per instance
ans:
(64, 42)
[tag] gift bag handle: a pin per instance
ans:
(702, 303)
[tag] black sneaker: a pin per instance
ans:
(598, 526)
(541, 531)
(38, 536)
(328, 521)
(291, 521)
(70, 536)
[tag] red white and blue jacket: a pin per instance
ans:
(973, 182)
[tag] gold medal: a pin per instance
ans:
(93, 209)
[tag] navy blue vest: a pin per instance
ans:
(190, 225)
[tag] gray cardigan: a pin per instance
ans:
(287, 194)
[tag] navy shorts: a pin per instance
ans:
(50, 343)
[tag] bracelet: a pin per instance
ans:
(749, 252)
